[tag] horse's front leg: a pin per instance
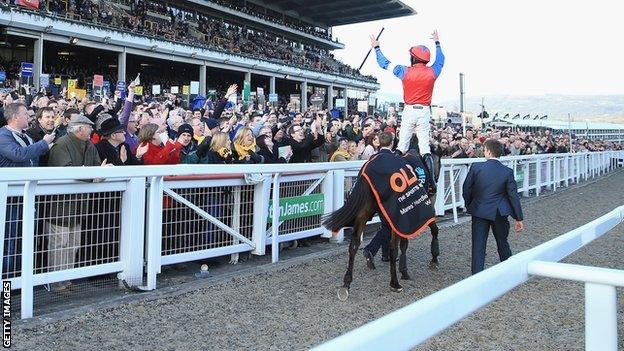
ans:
(394, 282)
(356, 237)
(435, 246)
(403, 259)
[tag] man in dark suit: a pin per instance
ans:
(490, 195)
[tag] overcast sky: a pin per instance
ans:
(526, 47)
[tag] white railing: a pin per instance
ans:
(414, 324)
(192, 212)
(533, 173)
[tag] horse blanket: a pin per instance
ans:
(399, 185)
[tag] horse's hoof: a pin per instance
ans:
(405, 276)
(397, 290)
(433, 265)
(343, 294)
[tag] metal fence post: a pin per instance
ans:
(339, 190)
(261, 214)
(577, 162)
(549, 174)
(154, 230)
(4, 198)
(538, 177)
(525, 180)
(463, 174)
(600, 317)
(236, 220)
(567, 171)
(329, 194)
(453, 197)
(276, 222)
(132, 232)
(578, 171)
(439, 201)
(600, 166)
(28, 247)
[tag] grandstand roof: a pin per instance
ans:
(340, 12)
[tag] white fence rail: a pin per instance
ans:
(142, 218)
(414, 324)
(533, 173)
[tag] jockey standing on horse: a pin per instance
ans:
(418, 81)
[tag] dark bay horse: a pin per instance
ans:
(358, 209)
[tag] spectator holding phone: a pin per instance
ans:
(268, 152)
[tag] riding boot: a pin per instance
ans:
(428, 160)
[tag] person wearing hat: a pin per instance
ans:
(113, 146)
(65, 213)
(185, 140)
(418, 81)
(74, 148)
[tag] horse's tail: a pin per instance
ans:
(346, 215)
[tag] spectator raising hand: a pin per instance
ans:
(141, 150)
(231, 90)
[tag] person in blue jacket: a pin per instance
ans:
(17, 149)
(491, 195)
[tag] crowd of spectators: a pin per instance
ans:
(258, 134)
(58, 130)
(276, 17)
(179, 25)
(452, 143)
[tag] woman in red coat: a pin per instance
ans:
(159, 152)
(164, 151)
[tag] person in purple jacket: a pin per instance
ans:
(129, 122)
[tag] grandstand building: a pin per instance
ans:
(283, 46)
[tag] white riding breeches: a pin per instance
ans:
(415, 120)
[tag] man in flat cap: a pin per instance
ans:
(64, 212)
(75, 149)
